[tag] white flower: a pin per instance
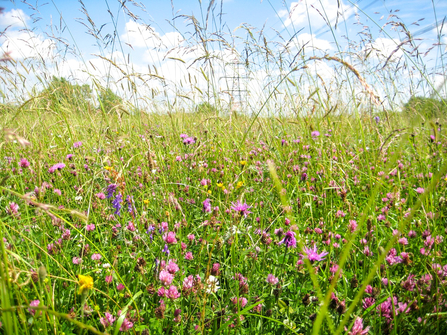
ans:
(78, 199)
(212, 284)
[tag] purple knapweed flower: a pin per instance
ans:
(240, 207)
(289, 240)
(313, 255)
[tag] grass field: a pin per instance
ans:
(296, 215)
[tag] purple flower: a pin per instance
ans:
(240, 207)
(116, 203)
(377, 119)
(108, 320)
(313, 255)
(357, 328)
(33, 303)
(289, 240)
(315, 133)
(77, 144)
(189, 140)
(207, 206)
(111, 190)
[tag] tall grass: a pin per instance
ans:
(255, 194)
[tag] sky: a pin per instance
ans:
(104, 39)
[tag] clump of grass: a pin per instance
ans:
(316, 207)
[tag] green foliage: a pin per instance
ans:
(426, 107)
(108, 100)
(60, 93)
(206, 108)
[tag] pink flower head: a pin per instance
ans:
(240, 207)
(33, 303)
(107, 320)
(77, 144)
(90, 227)
(120, 287)
(100, 195)
(96, 257)
(172, 267)
(166, 278)
(172, 293)
(357, 328)
(420, 190)
(109, 279)
(24, 163)
(170, 238)
(313, 255)
(189, 256)
(271, 279)
(289, 240)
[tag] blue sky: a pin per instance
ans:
(60, 30)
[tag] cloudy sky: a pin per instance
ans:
(107, 40)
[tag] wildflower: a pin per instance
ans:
(109, 279)
(126, 325)
(107, 320)
(165, 277)
(120, 287)
(312, 254)
(352, 225)
(77, 144)
(170, 238)
(77, 260)
(85, 283)
(172, 267)
(215, 270)
(357, 328)
(13, 208)
(90, 227)
(189, 256)
(315, 133)
(212, 284)
(420, 190)
(271, 279)
(243, 163)
(96, 257)
(58, 166)
(116, 203)
(242, 208)
(239, 184)
(177, 315)
(207, 206)
(111, 189)
(57, 191)
(172, 293)
(24, 163)
(289, 240)
(100, 195)
(165, 250)
(33, 303)
(243, 301)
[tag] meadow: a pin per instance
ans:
(296, 217)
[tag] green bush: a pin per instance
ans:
(426, 107)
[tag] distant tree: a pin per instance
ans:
(206, 108)
(61, 93)
(426, 107)
(108, 100)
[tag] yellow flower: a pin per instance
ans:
(146, 201)
(243, 163)
(239, 184)
(209, 191)
(108, 168)
(221, 186)
(85, 283)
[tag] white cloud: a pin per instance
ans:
(27, 44)
(317, 12)
(144, 36)
(15, 18)
(384, 49)
(309, 42)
